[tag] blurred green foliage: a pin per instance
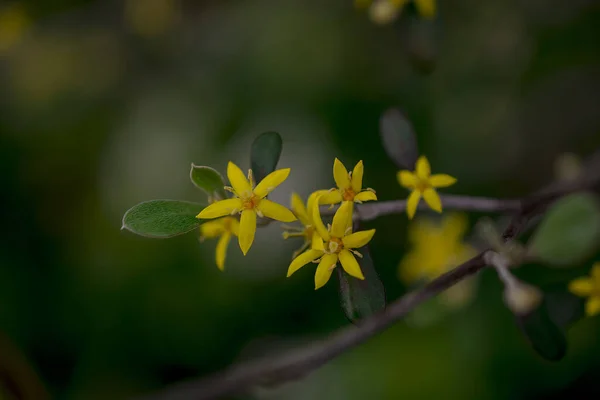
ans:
(106, 104)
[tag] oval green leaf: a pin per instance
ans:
(361, 298)
(398, 139)
(570, 231)
(546, 338)
(564, 308)
(162, 218)
(264, 154)
(209, 180)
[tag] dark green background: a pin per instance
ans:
(95, 118)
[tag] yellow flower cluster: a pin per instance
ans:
(325, 245)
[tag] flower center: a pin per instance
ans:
(334, 245)
(250, 203)
(422, 185)
(348, 194)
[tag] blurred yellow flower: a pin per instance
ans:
(422, 183)
(436, 248)
(349, 185)
(14, 22)
(332, 244)
(386, 11)
(589, 287)
(222, 228)
(250, 202)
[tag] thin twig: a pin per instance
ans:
(302, 360)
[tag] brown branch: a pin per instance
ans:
(300, 361)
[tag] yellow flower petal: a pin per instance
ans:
(412, 203)
(222, 249)
(433, 199)
(212, 229)
(340, 219)
(358, 239)
(426, 8)
(317, 242)
(272, 210)
(299, 209)
(357, 176)
(221, 208)
(592, 306)
(318, 222)
(312, 198)
(302, 260)
(331, 197)
(423, 168)
(270, 182)
(366, 195)
(454, 226)
(238, 180)
(234, 226)
(247, 230)
(340, 175)
(325, 269)
(407, 179)
(441, 180)
(350, 264)
(581, 286)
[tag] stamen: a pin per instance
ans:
(230, 189)
(286, 235)
(329, 227)
(259, 213)
(332, 267)
(235, 211)
(356, 253)
(251, 178)
(300, 250)
(291, 228)
(348, 231)
(371, 190)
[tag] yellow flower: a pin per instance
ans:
(305, 219)
(249, 201)
(436, 248)
(589, 287)
(222, 228)
(349, 186)
(332, 244)
(422, 183)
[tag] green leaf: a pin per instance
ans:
(570, 231)
(162, 218)
(264, 154)
(398, 139)
(546, 338)
(209, 180)
(361, 298)
(564, 308)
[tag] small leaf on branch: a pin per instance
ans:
(564, 308)
(570, 231)
(264, 154)
(361, 298)
(398, 139)
(209, 180)
(162, 218)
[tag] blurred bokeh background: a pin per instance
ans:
(105, 104)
